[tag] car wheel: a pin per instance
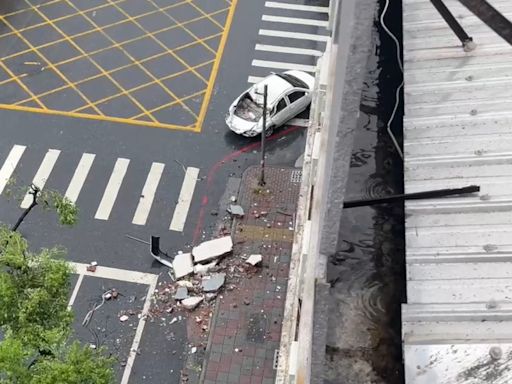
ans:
(270, 130)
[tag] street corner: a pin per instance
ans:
(141, 62)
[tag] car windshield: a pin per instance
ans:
(292, 80)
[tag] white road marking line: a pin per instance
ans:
(75, 291)
(112, 189)
(138, 333)
(78, 179)
(42, 174)
(10, 165)
(292, 35)
(148, 194)
(296, 7)
(291, 50)
(130, 277)
(187, 191)
(254, 79)
(282, 65)
(295, 20)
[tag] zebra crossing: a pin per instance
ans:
(79, 177)
(292, 36)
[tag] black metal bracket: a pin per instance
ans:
(413, 196)
(467, 41)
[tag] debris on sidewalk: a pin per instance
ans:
(236, 210)
(212, 249)
(185, 283)
(182, 265)
(92, 266)
(254, 260)
(213, 283)
(202, 269)
(181, 293)
(191, 302)
(123, 318)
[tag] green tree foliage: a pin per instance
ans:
(35, 322)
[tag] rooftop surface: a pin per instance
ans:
(457, 323)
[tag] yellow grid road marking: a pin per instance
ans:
(117, 69)
(68, 39)
(49, 64)
(150, 78)
(98, 29)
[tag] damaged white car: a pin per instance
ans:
(288, 94)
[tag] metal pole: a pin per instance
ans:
(465, 39)
(263, 135)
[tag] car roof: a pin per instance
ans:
(276, 87)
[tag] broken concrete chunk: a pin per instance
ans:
(202, 269)
(212, 249)
(254, 259)
(181, 293)
(236, 210)
(192, 302)
(123, 318)
(210, 296)
(182, 265)
(214, 282)
(185, 283)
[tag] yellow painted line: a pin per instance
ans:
(181, 25)
(119, 69)
(216, 66)
(28, 9)
(191, 2)
(10, 107)
(168, 91)
(70, 41)
(143, 86)
(98, 29)
(56, 19)
(11, 79)
(160, 107)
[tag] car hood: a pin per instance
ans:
(239, 125)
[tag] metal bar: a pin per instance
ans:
(465, 39)
(263, 135)
(490, 16)
(412, 196)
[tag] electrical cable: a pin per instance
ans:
(397, 93)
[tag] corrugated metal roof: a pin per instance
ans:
(457, 324)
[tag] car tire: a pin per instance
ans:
(270, 130)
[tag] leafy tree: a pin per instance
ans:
(35, 322)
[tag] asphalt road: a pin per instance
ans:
(111, 132)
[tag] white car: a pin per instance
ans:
(288, 94)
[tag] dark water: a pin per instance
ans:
(367, 271)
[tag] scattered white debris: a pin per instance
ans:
(193, 350)
(123, 318)
(192, 302)
(92, 346)
(201, 269)
(182, 265)
(233, 199)
(236, 210)
(254, 259)
(212, 249)
(185, 283)
(94, 263)
(32, 63)
(214, 282)
(107, 296)
(174, 319)
(210, 296)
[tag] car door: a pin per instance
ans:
(297, 102)
(280, 112)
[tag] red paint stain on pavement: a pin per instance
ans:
(213, 171)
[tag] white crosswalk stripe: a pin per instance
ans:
(112, 189)
(112, 183)
(148, 194)
(78, 180)
(187, 191)
(42, 174)
(10, 165)
(292, 37)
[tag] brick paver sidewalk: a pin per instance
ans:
(246, 325)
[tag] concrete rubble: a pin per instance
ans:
(213, 283)
(236, 210)
(192, 302)
(202, 269)
(212, 249)
(181, 293)
(254, 260)
(182, 265)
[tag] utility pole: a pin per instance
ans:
(263, 136)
